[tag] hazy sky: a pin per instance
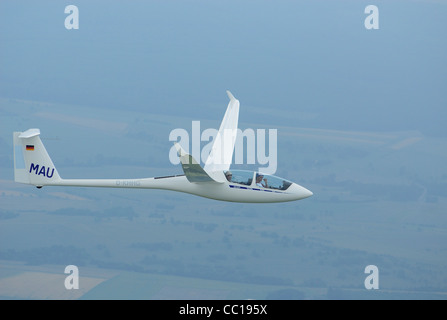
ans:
(177, 56)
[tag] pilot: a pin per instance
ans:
(228, 175)
(259, 178)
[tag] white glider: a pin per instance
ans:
(33, 165)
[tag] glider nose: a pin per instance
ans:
(301, 192)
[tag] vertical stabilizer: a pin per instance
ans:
(32, 164)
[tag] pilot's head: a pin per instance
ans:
(228, 175)
(259, 177)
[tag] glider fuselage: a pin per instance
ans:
(226, 191)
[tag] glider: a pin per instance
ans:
(33, 165)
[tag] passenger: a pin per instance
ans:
(259, 178)
(228, 175)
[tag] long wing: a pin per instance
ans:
(221, 154)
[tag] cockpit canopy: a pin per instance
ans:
(257, 179)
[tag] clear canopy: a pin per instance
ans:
(256, 179)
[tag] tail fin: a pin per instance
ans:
(32, 164)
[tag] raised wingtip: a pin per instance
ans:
(179, 148)
(230, 95)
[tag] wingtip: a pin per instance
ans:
(178, 148)
(230, 95)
